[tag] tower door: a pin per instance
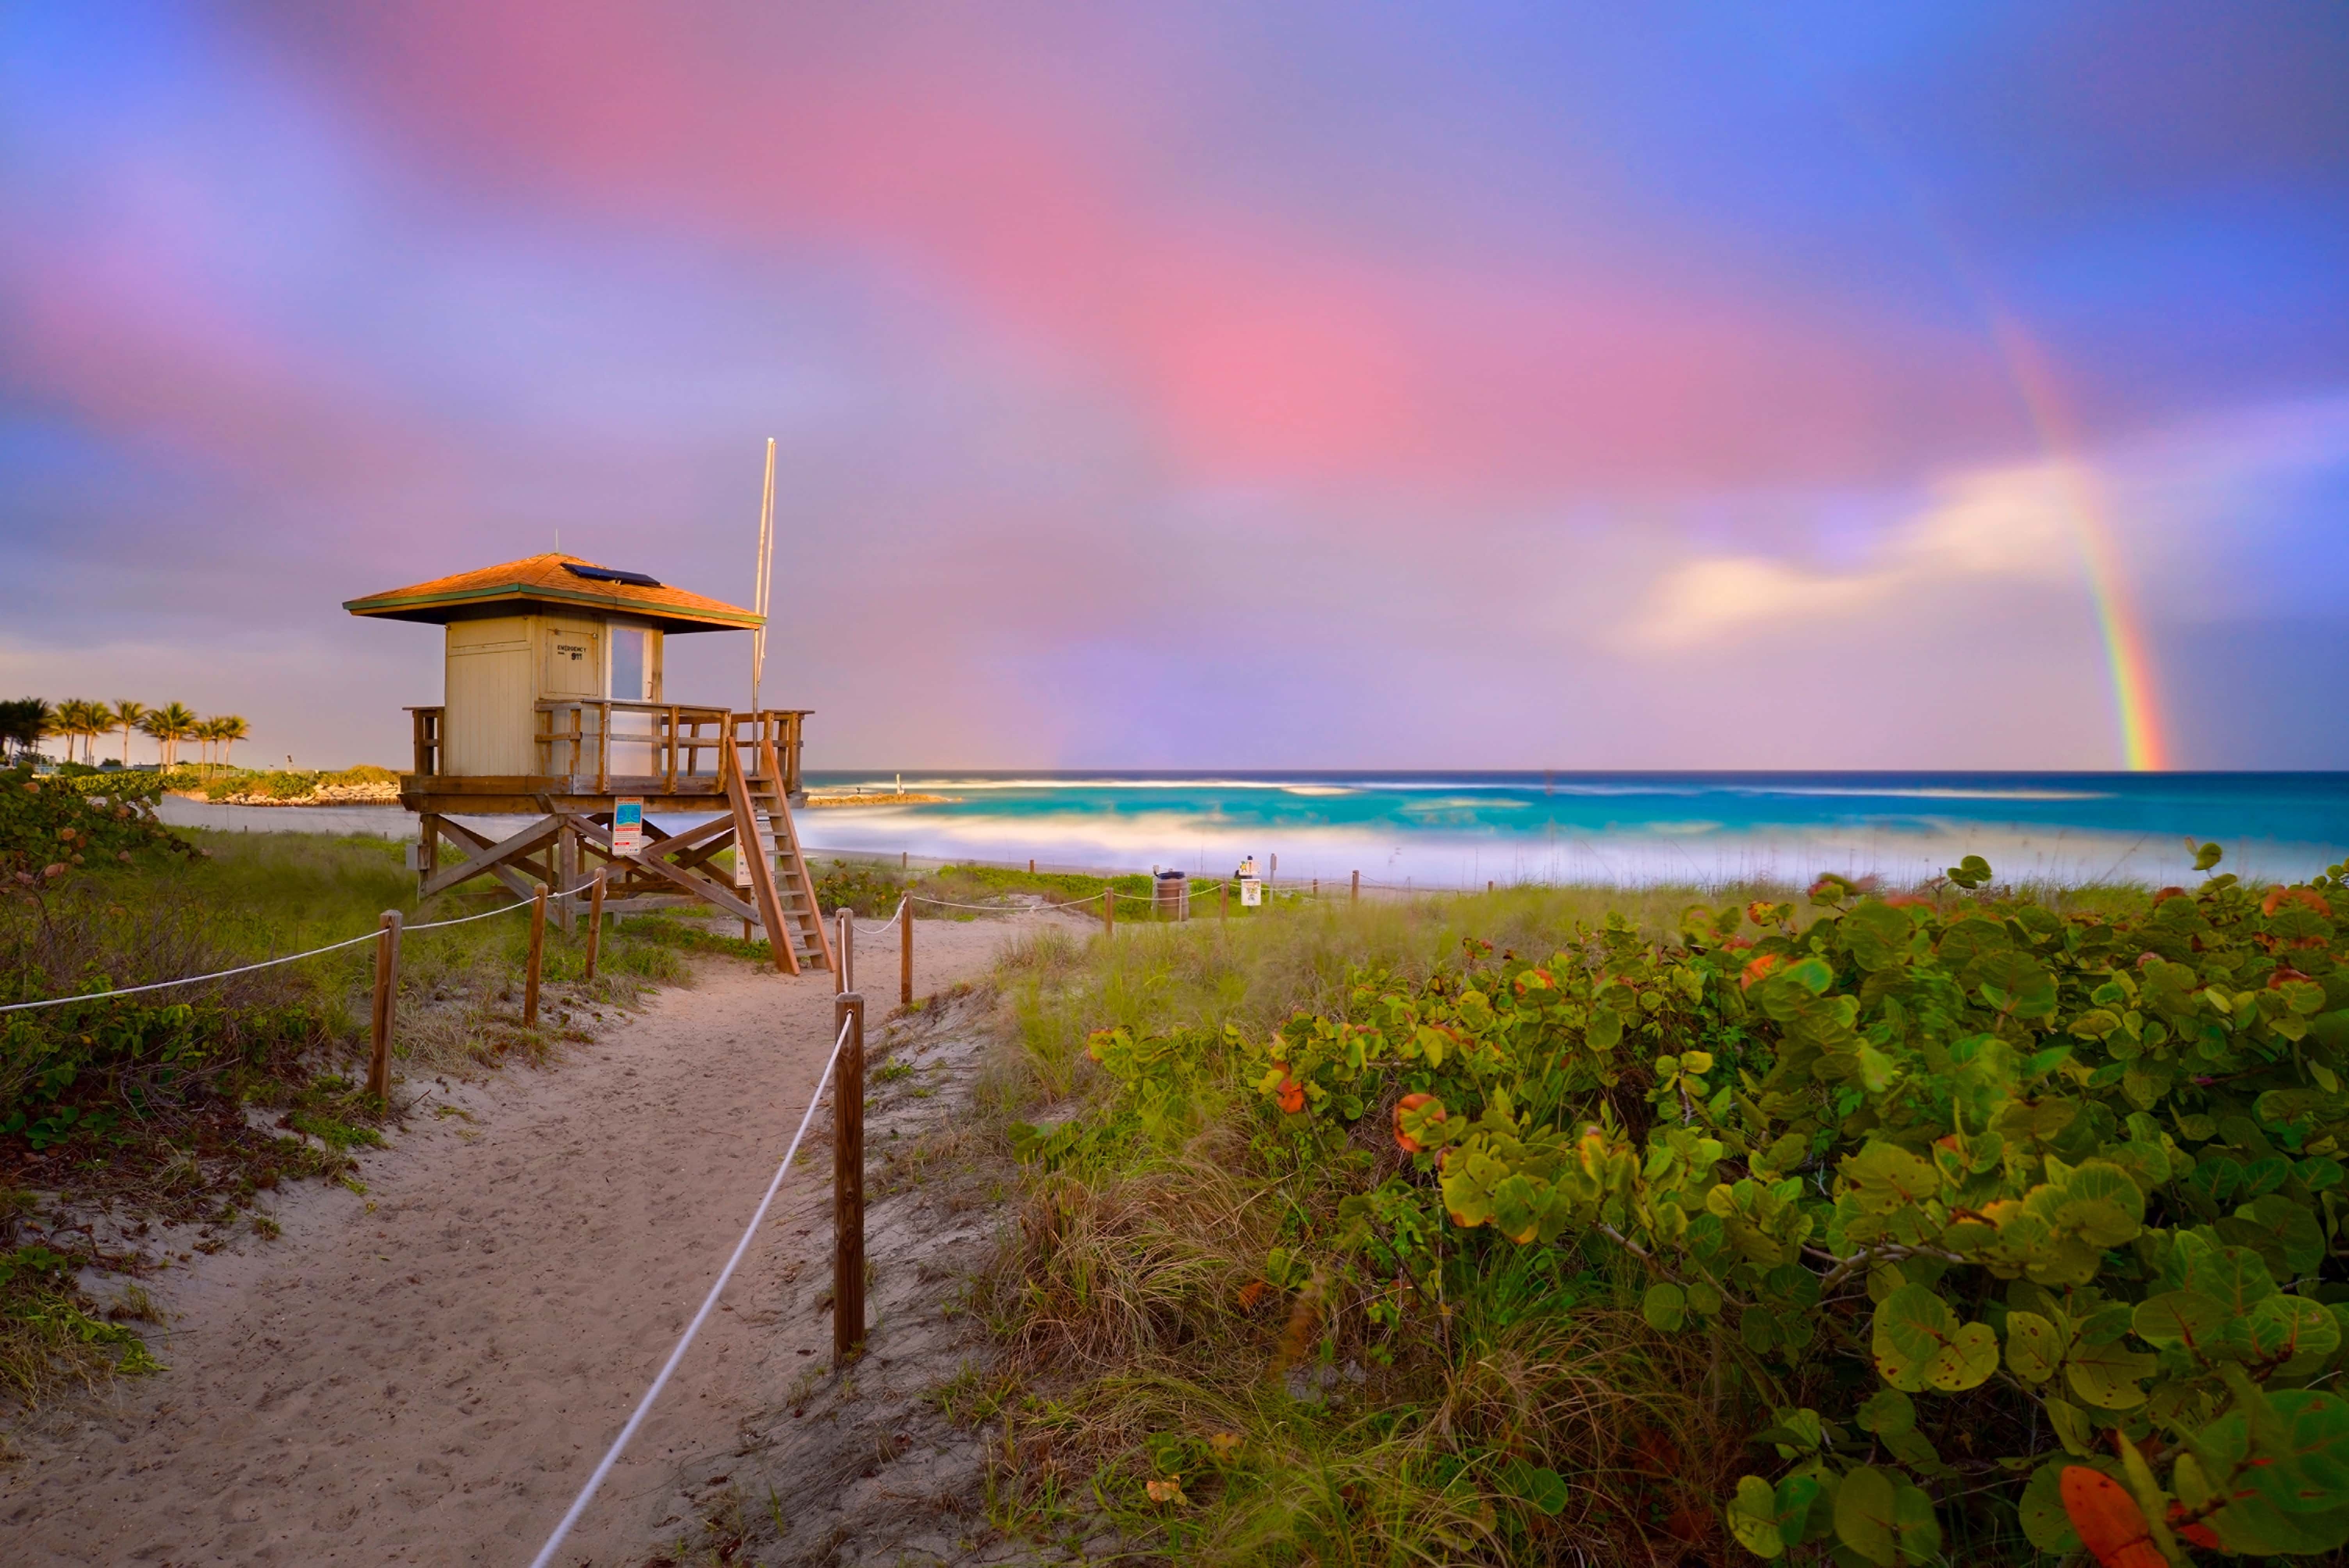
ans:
(574, 662)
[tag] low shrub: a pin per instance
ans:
(1998, 1226)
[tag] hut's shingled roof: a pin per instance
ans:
(540, 581)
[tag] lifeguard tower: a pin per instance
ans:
(553, 709)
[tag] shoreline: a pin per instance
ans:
(1430, 860)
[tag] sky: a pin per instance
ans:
(1209, 385)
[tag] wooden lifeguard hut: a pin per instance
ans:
(553, 709)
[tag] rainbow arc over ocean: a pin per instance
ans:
(2129, 654)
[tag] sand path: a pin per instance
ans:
(426, 1375)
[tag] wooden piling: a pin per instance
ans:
(566, 876)
(848, 1180)
(1357, 893)
(387, 996)
(1109, 907)
(844, 939)
(596, 919)
(905, 951)
(537, 953)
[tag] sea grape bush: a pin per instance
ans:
(1977, 1193)
(50, 825)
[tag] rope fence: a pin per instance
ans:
(268, 963)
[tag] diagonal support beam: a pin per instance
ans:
(700, 887)
(490, 856)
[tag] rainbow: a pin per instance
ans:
(2129, 654)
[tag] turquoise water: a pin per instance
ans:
(1462, 829)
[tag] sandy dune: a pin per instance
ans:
(426, 1374)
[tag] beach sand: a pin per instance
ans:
(426, 1374)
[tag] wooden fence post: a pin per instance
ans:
(537, 953)
(1357, 893)
(1224, 898)
(387, 996)
(843, 925)
(596, 920)
(848, 1180)
(905, 951)
(1109, 907)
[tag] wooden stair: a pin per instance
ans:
(764, 835)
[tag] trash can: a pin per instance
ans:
(1174, 896)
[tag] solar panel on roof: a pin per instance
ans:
(610, 575)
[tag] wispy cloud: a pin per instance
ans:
(2009, 524)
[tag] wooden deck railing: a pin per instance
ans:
(425, 723)
(604, 748)
(668, 748)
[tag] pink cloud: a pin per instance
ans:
(1047, 207)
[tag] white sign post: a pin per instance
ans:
(766, 846)
(627, 829)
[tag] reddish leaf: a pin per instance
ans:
(1410, 1145)
(1758, 969)
(2201, 1534)
(2109, 1521)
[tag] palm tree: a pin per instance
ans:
(67, 722)
(228, 729)
(170, 724)
(84, 719)
(23, 722)
(53, 722)
(126, 717)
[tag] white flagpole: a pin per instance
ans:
(766, 571)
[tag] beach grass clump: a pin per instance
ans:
(1967, 1223)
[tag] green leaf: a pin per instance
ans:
(2206, 857)
(1919, 1344)
(1885, 1177)
(2183, 1319)
(2108, 1375)
(1812, 975)
(1753, 1517)
(2234, 1277)
(2293, 1226)
(2073, 1429)
(1879, 933)
(1918, 1532)
(1885, 1412)
(1865, 1517)
(2046, 1523)
(2256, 1520)
(2015, 983)
(1541, 1488)
(2308, 1451)
(1665, 1307)
(2292, 1331)
(1911, 1449)
(2033, 1347)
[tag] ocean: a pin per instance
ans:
(1463, 830)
